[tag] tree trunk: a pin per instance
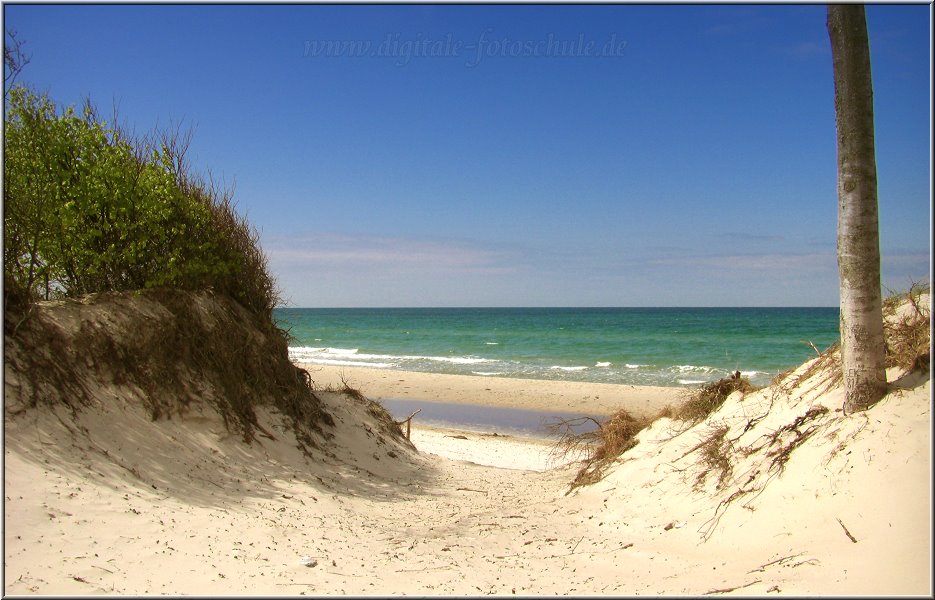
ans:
(862, 346)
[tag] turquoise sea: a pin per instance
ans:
(642, 346)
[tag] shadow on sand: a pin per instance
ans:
(194, 459)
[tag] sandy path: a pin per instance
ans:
(488, 449)
(230, 519)
(116, 503)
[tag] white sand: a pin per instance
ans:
(181, 507)
(114, 503)
(492, 450)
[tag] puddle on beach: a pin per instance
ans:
(484, 419)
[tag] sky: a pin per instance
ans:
(494, 155)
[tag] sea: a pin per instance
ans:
(677, 347)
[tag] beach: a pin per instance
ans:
(598, 399)
(93, 508)
(668, 347)
(775, 492)
(570, 322)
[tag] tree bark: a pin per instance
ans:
(862, 345)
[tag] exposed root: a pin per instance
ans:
(173, 346)
(780, 452)
(715, 457)
(601, 446)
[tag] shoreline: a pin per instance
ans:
(768, 495)
(596, 399)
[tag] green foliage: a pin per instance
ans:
(86, 209)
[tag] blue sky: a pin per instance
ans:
(484, 155)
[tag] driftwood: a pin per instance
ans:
(814, 347)
(408, 422)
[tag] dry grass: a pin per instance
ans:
(716, 450)
(613, 437)
(908, 336)
(385, 422)
(827, 366)
(702, 402)
(348, 390)
(601, 446)
(235, 359)
(908, 342)
(907, 332)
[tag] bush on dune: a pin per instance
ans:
(87, 209)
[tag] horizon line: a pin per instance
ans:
(454, 307)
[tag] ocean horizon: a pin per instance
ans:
(639, 346)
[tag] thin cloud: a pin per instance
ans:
(331, 251)
(737, 27)
(806, 49)
(794, 263)
(755, 262)
(749, 237)
(907, 261)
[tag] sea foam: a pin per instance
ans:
(353, 357)
(620, 346)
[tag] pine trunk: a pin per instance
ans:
(862, 346)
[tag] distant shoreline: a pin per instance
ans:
(641, 347)
(598, 399)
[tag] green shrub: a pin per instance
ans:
(87, 209)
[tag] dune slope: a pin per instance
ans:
(797, 498)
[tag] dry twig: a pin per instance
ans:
(762, 567)
(848, 533)
(731, 589)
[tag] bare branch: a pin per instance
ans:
(13, 60)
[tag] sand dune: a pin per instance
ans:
(810, 502)
(181, 507)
